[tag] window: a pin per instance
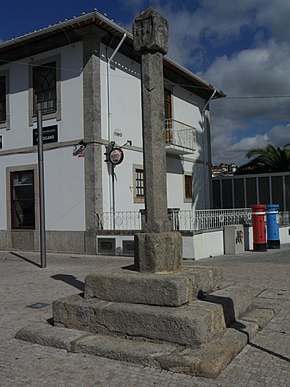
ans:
(22, 200)
(44, 88)
(139, 182)
(138, 185)
(168, 115)
(167, 104)
(188, 187)
(3, 99)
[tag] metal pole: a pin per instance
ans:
(41, 191)
(113, 195)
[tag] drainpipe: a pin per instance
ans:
(112, 181)
(108, 84)
(203, 145)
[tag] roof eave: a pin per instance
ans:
(102, 21)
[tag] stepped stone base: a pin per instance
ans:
(163, 289)
(156, 320)
(206, 360)
(190, 324)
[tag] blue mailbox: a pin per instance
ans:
(273, 239)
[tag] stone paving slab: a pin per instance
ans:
(206, 360)
(234, 299)
(259, 316)
(276, 294)
(45, 334)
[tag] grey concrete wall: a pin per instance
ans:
(56, 241)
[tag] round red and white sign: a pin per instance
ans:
(116, 156)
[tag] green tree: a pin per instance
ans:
(267, 160)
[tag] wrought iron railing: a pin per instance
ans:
(187, 220)
(212, 219)
(120, 220)
(180, 134)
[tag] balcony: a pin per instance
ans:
(180, 138)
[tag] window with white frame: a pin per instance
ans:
(45, 89)
(138, 184)
(188, 188)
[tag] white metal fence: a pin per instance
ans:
(187, 220)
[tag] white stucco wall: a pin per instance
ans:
(64, 174)
(124, 89)
(70, 126)
(64, 190)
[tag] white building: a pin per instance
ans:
(85, 76)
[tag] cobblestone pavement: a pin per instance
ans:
(264, 362)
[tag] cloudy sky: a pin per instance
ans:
(242, 47)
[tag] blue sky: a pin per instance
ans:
(241, 47)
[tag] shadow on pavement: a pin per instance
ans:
(26, 259)
(70, 280)
(269, 352)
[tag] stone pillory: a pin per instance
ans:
(158, 249)
(150, 31)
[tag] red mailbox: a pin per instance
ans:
(259, 227)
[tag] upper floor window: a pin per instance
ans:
(3, 92)
(167, 104)
(44, 88)
(168, 115)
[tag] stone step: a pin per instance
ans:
(206, 360)
(163, 289)
(192, 324)
(139, 288)
(235, 300)
(259, 316)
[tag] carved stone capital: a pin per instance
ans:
(150, 32)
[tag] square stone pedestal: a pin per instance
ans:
(158, 252)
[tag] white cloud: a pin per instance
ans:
(258, 66)
(259, 72)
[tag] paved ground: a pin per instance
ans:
(264, 362)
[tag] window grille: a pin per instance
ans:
(139, 178)
(44, 88)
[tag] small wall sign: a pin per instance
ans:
(49, 134)
(116, 156)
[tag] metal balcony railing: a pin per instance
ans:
(183, 220)
(180, 134)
